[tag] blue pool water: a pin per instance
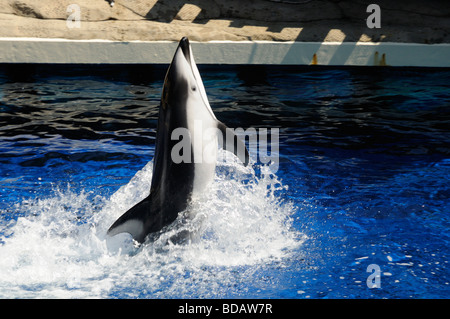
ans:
(363, 179)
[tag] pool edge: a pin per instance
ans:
(64, 51)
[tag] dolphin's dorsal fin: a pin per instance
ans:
(132, 221)
(232, 143)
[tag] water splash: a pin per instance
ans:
(59, 247)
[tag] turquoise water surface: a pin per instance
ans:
(362, 179)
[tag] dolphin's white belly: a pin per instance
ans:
(204, 172)
(203, 130)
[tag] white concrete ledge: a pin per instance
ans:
(37, 50)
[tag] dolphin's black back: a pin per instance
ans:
(172, 183)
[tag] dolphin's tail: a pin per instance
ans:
(134, 221)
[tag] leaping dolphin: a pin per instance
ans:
(177, 178)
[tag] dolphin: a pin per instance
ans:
(182, 169)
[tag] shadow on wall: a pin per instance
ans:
(315, 18)
(317, 21)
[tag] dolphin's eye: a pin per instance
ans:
(194, 88)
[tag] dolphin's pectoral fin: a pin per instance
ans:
(132, 221)
(232, 143)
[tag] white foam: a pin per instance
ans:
(239, 222)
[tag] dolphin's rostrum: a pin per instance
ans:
(184, 106)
